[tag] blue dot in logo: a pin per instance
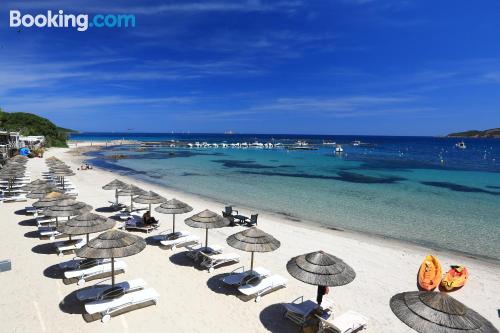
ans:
(91, 24)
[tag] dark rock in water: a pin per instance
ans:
(342, 176)
(357, 178)
(459, 188)
(116, 157)
(493, 187)
(242, 164)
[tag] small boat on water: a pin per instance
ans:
(456, 277)
(429, 274)
(460, 145)
(302, 145)
(339, 149)
(330, 143)
(358, 143)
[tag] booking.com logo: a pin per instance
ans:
(81, 22)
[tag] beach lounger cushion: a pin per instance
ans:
(73, 244)
(98, 269)
(347, 322)
(212, 261)
(109, 306)
(298, 312)
(180, 241)
(264, 286)
(81, 263)
(238, 279)
(103, 291)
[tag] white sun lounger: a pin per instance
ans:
(15, 198)
(69, 245)
(299, 310)
(108, 306)
(195, 249)
(212, 261)
(31, 210)
(84, 274)
(238, 279)
(98, 290)
(76, 262)
(135, 223)
(265, 286)
(347, 322)
(183, 240)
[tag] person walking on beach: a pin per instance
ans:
(322, 291)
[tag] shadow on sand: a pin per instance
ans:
(216, 285)
(107, 209)
(32, 234)
(28, 223)
(21, 212)
(70, 304)
(46, 248)
(272, 319)
(181, 259)
(54, 272)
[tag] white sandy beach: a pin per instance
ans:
(32, 300)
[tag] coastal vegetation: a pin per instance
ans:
(491, 133)
(30, 124)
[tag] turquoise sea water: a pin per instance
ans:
(422, 190)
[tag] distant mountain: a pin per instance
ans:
(491, 133)
(30, 124)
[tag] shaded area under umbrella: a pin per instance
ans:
(85, 224)
(436, 312)
(253, 240)
(207, 220)
(112, 244)
(35, 184)
(173, 206)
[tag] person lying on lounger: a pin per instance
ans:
(147, 219)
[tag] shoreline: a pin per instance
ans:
(284, 217)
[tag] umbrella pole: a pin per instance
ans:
(173, 223)
(131, 204)
(251, 263)
(150, 210)
(116, 196)
(206, 238)
(87, 238)
(112, 272)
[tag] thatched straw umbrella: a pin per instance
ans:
(253, 240)
(85, 224)
(61, 173)
(173, 207)
(151, 198)
(131, 190)
(320, 269)
(50, 199)
(112, 244)
(41, 191)
(66, 208)
(35, 184)
(115, 185)
(436, 312)
(10, 174)
(207, 220)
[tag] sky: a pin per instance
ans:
(375, 67)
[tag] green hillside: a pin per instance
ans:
(491, 133)
(30, 124)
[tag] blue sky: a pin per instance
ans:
(398, 67)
